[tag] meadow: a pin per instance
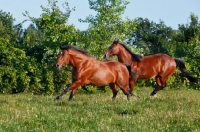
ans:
(172, 110)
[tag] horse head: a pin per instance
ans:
(112, 50)
(63, 58)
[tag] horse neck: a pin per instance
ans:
(124, 56)
(77, 58)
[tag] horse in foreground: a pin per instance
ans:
(87, 70)
(160, 66)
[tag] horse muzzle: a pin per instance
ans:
(105, 56)
(58, 66)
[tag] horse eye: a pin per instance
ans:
(111, 47)
(61, 53)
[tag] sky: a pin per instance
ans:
(172, 12)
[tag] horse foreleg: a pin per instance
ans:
(64, 92)
(72, 94)
(73, 87)
(131, 87)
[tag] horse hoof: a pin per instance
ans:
(128, 97)
(153, 95)
(113, 98)
(57, 98)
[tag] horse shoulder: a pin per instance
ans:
(86, 68)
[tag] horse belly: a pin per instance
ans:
(100, 78)
(147, 74)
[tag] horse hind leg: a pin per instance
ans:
(161, 83)
(114, 90)
(161, 80)
(158, 88)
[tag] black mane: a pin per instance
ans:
(135, 57)
(66, 47)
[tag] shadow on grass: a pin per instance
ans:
(3, 102)
(61, 103)
(126, 112)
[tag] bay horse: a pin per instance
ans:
(160, 66)
(87, 70)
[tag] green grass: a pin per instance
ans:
(171, 111)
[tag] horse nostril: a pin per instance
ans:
(57, 65)
(105, 56)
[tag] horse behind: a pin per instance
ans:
(160, 66)
(87, 70)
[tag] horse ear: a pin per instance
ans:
(116, 41)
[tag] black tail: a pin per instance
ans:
(181, 64)
(132, 74)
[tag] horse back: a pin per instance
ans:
(153, 65)
(158, 59)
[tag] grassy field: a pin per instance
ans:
(171, 111)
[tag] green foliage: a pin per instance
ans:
(53, 24)
(187, 46)
(12, 75)
(151, 37)
(106, 26)
(6, 24)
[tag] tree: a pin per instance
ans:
(13, 61)
(188, 44)
(152, 37)
(8, 30)
(188, 31)
(106, 25)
